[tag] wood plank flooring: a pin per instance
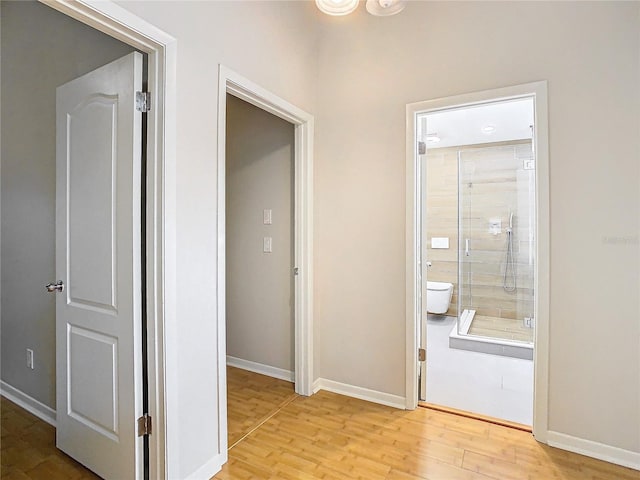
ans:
(251, 399)
(332, 437)
(28, 449)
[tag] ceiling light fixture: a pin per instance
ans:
(337, 7)
(385, 8)
(379, 8)
(489, 129)
(433, 138)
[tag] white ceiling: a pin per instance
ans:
(463, 126)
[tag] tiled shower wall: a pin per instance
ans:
(441, 218)
(493, 183)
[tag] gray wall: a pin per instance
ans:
(41, 49)
(260, 299)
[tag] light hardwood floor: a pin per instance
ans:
(29, 450)
(252, 399)
(329, 436)
(332, 437)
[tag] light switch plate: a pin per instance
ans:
(267, 244)
(267, 216)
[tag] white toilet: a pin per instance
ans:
(439, 297)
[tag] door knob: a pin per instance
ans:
(55, 287)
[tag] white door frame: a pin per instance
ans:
(538, 91)
(240, 87)
(160, 48)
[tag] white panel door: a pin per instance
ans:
(98, 257)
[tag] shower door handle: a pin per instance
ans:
(466, 247)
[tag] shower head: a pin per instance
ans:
(510, 219)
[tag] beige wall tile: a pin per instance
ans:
(492, 180)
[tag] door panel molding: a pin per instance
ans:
(97, 111)
(84, 409)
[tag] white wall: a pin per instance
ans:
(274, 45)
(259, 175)
(369, 69)
(41, 49)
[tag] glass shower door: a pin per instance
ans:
(466, 217)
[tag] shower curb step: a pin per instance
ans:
(492, 347)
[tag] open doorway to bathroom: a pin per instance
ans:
(476, 247)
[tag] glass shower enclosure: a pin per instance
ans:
(496, 243)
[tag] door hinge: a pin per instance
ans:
(144, 425)
(143, 101)
(422, 148)
(422, 355)
(296, 270)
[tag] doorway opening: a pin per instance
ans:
(268, 230)
(259, 238)
(259, 242)
(478, 173)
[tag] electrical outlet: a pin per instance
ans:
(30, 358)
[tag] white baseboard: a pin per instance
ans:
(267, 370)
(316, 386)
(209, 469)
(374, 396)
(30, 404)
(610, 454)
